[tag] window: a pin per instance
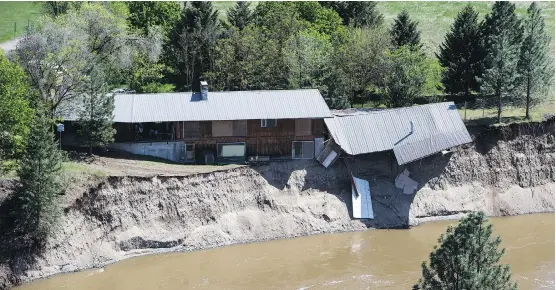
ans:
(269, 123)
(303, 127)
(222, 128)
(226, 150)
(303, 150)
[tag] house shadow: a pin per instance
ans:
(391, 206)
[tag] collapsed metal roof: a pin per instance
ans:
(233, 105)
(412, 132)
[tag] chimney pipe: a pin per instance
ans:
(204, 90)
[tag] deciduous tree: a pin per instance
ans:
(535, 65)
(145, 14)
(467, 258)
(406, 76)
(15, 112)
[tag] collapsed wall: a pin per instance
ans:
(508, 170)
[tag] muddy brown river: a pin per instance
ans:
(374, 259)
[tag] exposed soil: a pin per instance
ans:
(136, 210)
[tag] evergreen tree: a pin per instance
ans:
(467, 258)
(96, 118)
(535, 65)
(240, 15)
(190, 52)
(503, 33)
(357, 13)
(39, 176)
(404, 32)
(462, 54)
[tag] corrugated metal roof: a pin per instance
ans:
(436, 127)
(236, 105)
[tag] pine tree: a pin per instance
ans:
(96, 118)
(190, 51)
(467, 258)
(240, 15)
(357, 13)
(502, 32)
(535, 65)
(404, 32)
(39, 176)
(462, 54)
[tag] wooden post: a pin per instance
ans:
(465, 111)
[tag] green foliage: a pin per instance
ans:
(191, 49)
(433, 86)
(467, 258)
(243, 61)
(40, 177)
(404, 32)
(309, 57)
(503, 33)
(406, 76)
(96, 118)
(357, 13)
(145, 14)
(59, 56)
(146, 76)
(360, 65)
(56, 8)
(535, 65)
(15, 112)
(240, 15)
(462, 54)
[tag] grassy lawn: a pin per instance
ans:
(435, 18)
(19, 13)
(509, 114)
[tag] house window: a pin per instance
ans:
(231, 150)
(268, 123)
(303, 127)
(303, 150)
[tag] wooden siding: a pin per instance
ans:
(276, 141)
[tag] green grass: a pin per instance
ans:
(20, 13)
(509, 114)
(435, 18)
(77, 168)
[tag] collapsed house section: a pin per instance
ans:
(411, 132)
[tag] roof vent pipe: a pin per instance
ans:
(411, 130)
(204, 90)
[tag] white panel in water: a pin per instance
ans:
(362, 205)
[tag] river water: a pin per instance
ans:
(374, 259)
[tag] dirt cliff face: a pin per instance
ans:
(505, 171)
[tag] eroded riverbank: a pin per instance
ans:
(506, 171)
(381, 259)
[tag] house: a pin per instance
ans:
(411, 132)
(225, 127)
